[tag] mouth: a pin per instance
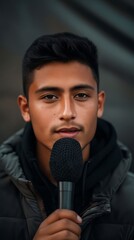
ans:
(68, 132)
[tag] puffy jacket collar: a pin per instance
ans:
(8, 157)
(10, 164)
(111, 183)
(107, 156)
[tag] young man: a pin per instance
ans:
(62, 99)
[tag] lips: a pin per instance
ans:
(68, 132)
(72, 129)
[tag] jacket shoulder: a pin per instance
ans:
(127, 187)
(123, 201)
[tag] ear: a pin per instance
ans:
(101, 101)
(24, 108)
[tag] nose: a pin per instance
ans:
(67, 109)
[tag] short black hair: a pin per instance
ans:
(59, 47)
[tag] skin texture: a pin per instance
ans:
(63, 101)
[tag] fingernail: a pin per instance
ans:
(79, 219)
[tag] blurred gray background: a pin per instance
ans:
(110, 24)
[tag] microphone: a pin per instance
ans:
(66, 166)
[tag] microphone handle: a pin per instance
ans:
(66, 195)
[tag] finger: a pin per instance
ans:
(60, 214)
(66, 235)
(61, 229)
(63, 225)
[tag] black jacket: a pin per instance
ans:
(104, 196)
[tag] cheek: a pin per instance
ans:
(89, 119)
(43, 122)
(89, 112)
(39, 113)
(90, 126)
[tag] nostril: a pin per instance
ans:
(67, 116)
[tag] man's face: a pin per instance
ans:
(63, 102)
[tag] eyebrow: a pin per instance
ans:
(56, 89)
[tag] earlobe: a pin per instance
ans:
(101, 101)
(24, 108)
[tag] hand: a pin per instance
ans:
(62, 224)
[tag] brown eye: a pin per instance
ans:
(81, 96)
(49, 98)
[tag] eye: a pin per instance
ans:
(49, 97)
(81, 96)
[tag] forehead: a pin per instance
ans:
(63, 74)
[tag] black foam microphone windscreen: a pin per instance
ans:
(66, 166)
(66, 162)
